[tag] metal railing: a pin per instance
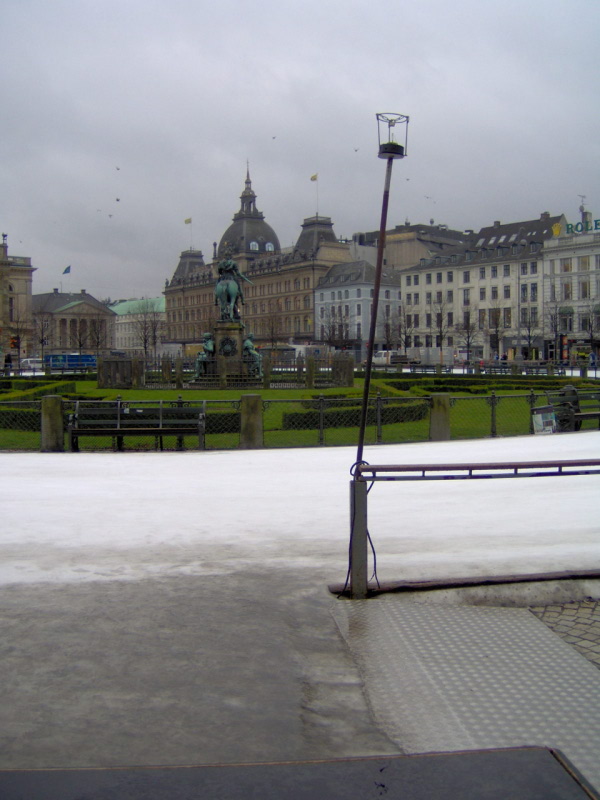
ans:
(365, 474)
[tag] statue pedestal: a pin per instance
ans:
(229, 345)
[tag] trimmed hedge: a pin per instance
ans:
(350, 417)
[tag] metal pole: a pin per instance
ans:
(358, 540)
(373, 327)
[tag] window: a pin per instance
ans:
(506, 270)
(533, 292)
(438, 277)
(482, 293)
(321, 297)
(566, 265)
(358, 330)
(306, 283)
(467, 276)
(346, 294)
(584, 290)
(507, 292)
(409, 299)
(494, 292)
(566, 322)
(358, 310)
(533, 267)
(333, 295)
(387, 294)
(481, 320)
(297, 286)
(358, 293)
(507, 317)
(409, 280)
(270, 247)
(450, 318)
(416, 320)
(428, 340)
(415, 280)
(523, 292)
(339, 295)
(416, 298)
(428, 277)
(322, 312)
(524, 269)
(428, 298)
(450, 296)
(533, 315)
(567, 291)
(253, 245)
(494, 272)
(466, 297)
(428, 320)
(449, 277)
(409, 320)
(408, 340)
(387, 311)
(481, 273)
(524, 319)
(307, 301)
(450, 341)
(438, 297)
(347, 311)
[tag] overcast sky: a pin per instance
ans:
(121, 118)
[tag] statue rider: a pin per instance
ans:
(229, 270)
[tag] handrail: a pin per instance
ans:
(498, 469)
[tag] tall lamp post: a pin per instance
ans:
(388, 124)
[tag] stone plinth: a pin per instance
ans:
(229, 344)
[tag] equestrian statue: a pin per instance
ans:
(229, 289)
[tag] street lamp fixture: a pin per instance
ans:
(387, 125)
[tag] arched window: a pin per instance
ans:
(269, 247)
(253, 245)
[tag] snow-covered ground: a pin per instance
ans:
(81, 517)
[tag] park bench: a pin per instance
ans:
(572, 408)
(120, 419)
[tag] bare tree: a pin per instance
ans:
(98, 334)
(405, 322)
(591, 312)
(441, 324)
(530, 329)
(335, 328)
(148, 324)
(468, 330)
(42, 331)
(273, 326)
(495, 327)
(552, 322)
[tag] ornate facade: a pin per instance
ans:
(278, 301)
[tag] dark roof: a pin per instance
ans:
(248, 233)
(190, 263)
(315, 231)
(57, 301)
(358, 272)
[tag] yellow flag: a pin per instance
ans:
(314, 177)
(188, 221)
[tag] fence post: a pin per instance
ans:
(310, 372)
(378, 413)
(179, 373)
(439, 418)
(532, 401)
(358, 540)
(493, 404)
(321, 419)
(266, 365)
(251, 423)
(53, 434)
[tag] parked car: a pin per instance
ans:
(33, 364)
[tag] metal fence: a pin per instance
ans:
(314, 422)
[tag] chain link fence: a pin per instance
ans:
(311, 422)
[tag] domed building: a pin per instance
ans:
(279, 301)
(248, 235)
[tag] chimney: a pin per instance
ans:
(83, 291)
(55, 291)
(545, 215)
(496, 223)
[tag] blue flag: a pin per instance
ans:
(67, 270)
